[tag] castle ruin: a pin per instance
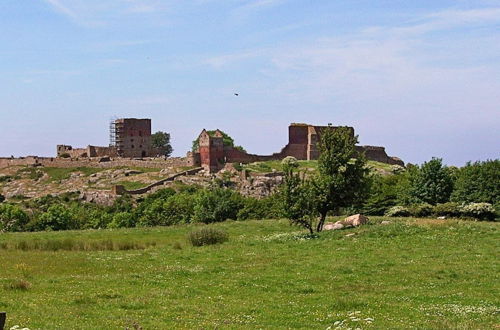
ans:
(303, 140)
(129, 138)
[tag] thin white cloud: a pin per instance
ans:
(99, 12)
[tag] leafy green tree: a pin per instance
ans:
(227, 141)
(383, 193)
(296, 198)
(161, 141)
(341, 181)
(478, 182)
(12, 218)
(432, 183)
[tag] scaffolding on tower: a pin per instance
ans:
(116, 135)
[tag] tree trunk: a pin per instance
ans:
(321, 222)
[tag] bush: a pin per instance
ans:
(178, 208)
(480, 211)
(449, 209)
(290, 161)
(421, 210)
(216, 205)
(398, 211)
(12, 218)
(57, 217)
(208, 236)
(122, 220)
(265, 208)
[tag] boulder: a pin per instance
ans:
(385, 222)
(333, 226)
(354, 220)
(351, 221)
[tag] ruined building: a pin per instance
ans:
(212, 154)
(129, 137)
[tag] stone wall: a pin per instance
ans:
(94, 162)
(378, 154)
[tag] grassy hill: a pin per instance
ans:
(411, 273)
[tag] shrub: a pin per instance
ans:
(57, 217)
(12, 218)
(178, 208)
(398, 211)
(122, 220)
(449, 209)
(421, 210)
(265, 208)
(217, 205)
(207, 236)
(290, 161)
(481, 211)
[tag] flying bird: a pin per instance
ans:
(236, 94)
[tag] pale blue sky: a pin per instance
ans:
(419, 77)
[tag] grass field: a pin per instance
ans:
(411, 273)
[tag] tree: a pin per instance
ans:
(296, 197)
(161, 141)
(432, 183)
(478, 182)
(341, 181)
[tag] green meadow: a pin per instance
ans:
(410, 273)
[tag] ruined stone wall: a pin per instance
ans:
(378, 154)
(93, 162)
(94, 151)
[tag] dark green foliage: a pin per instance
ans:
(341, 182)
(421, 210)
(57, 217)
(226, 140)
(12, 218)
(297, 199)
(216, 205)
(122, 220)
(478, 182)
(161, 141)
(174, 209)
(265, 208)
(208, 236)
(432, 183)
(384, 193)
(449, 209)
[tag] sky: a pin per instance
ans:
(421, 78)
